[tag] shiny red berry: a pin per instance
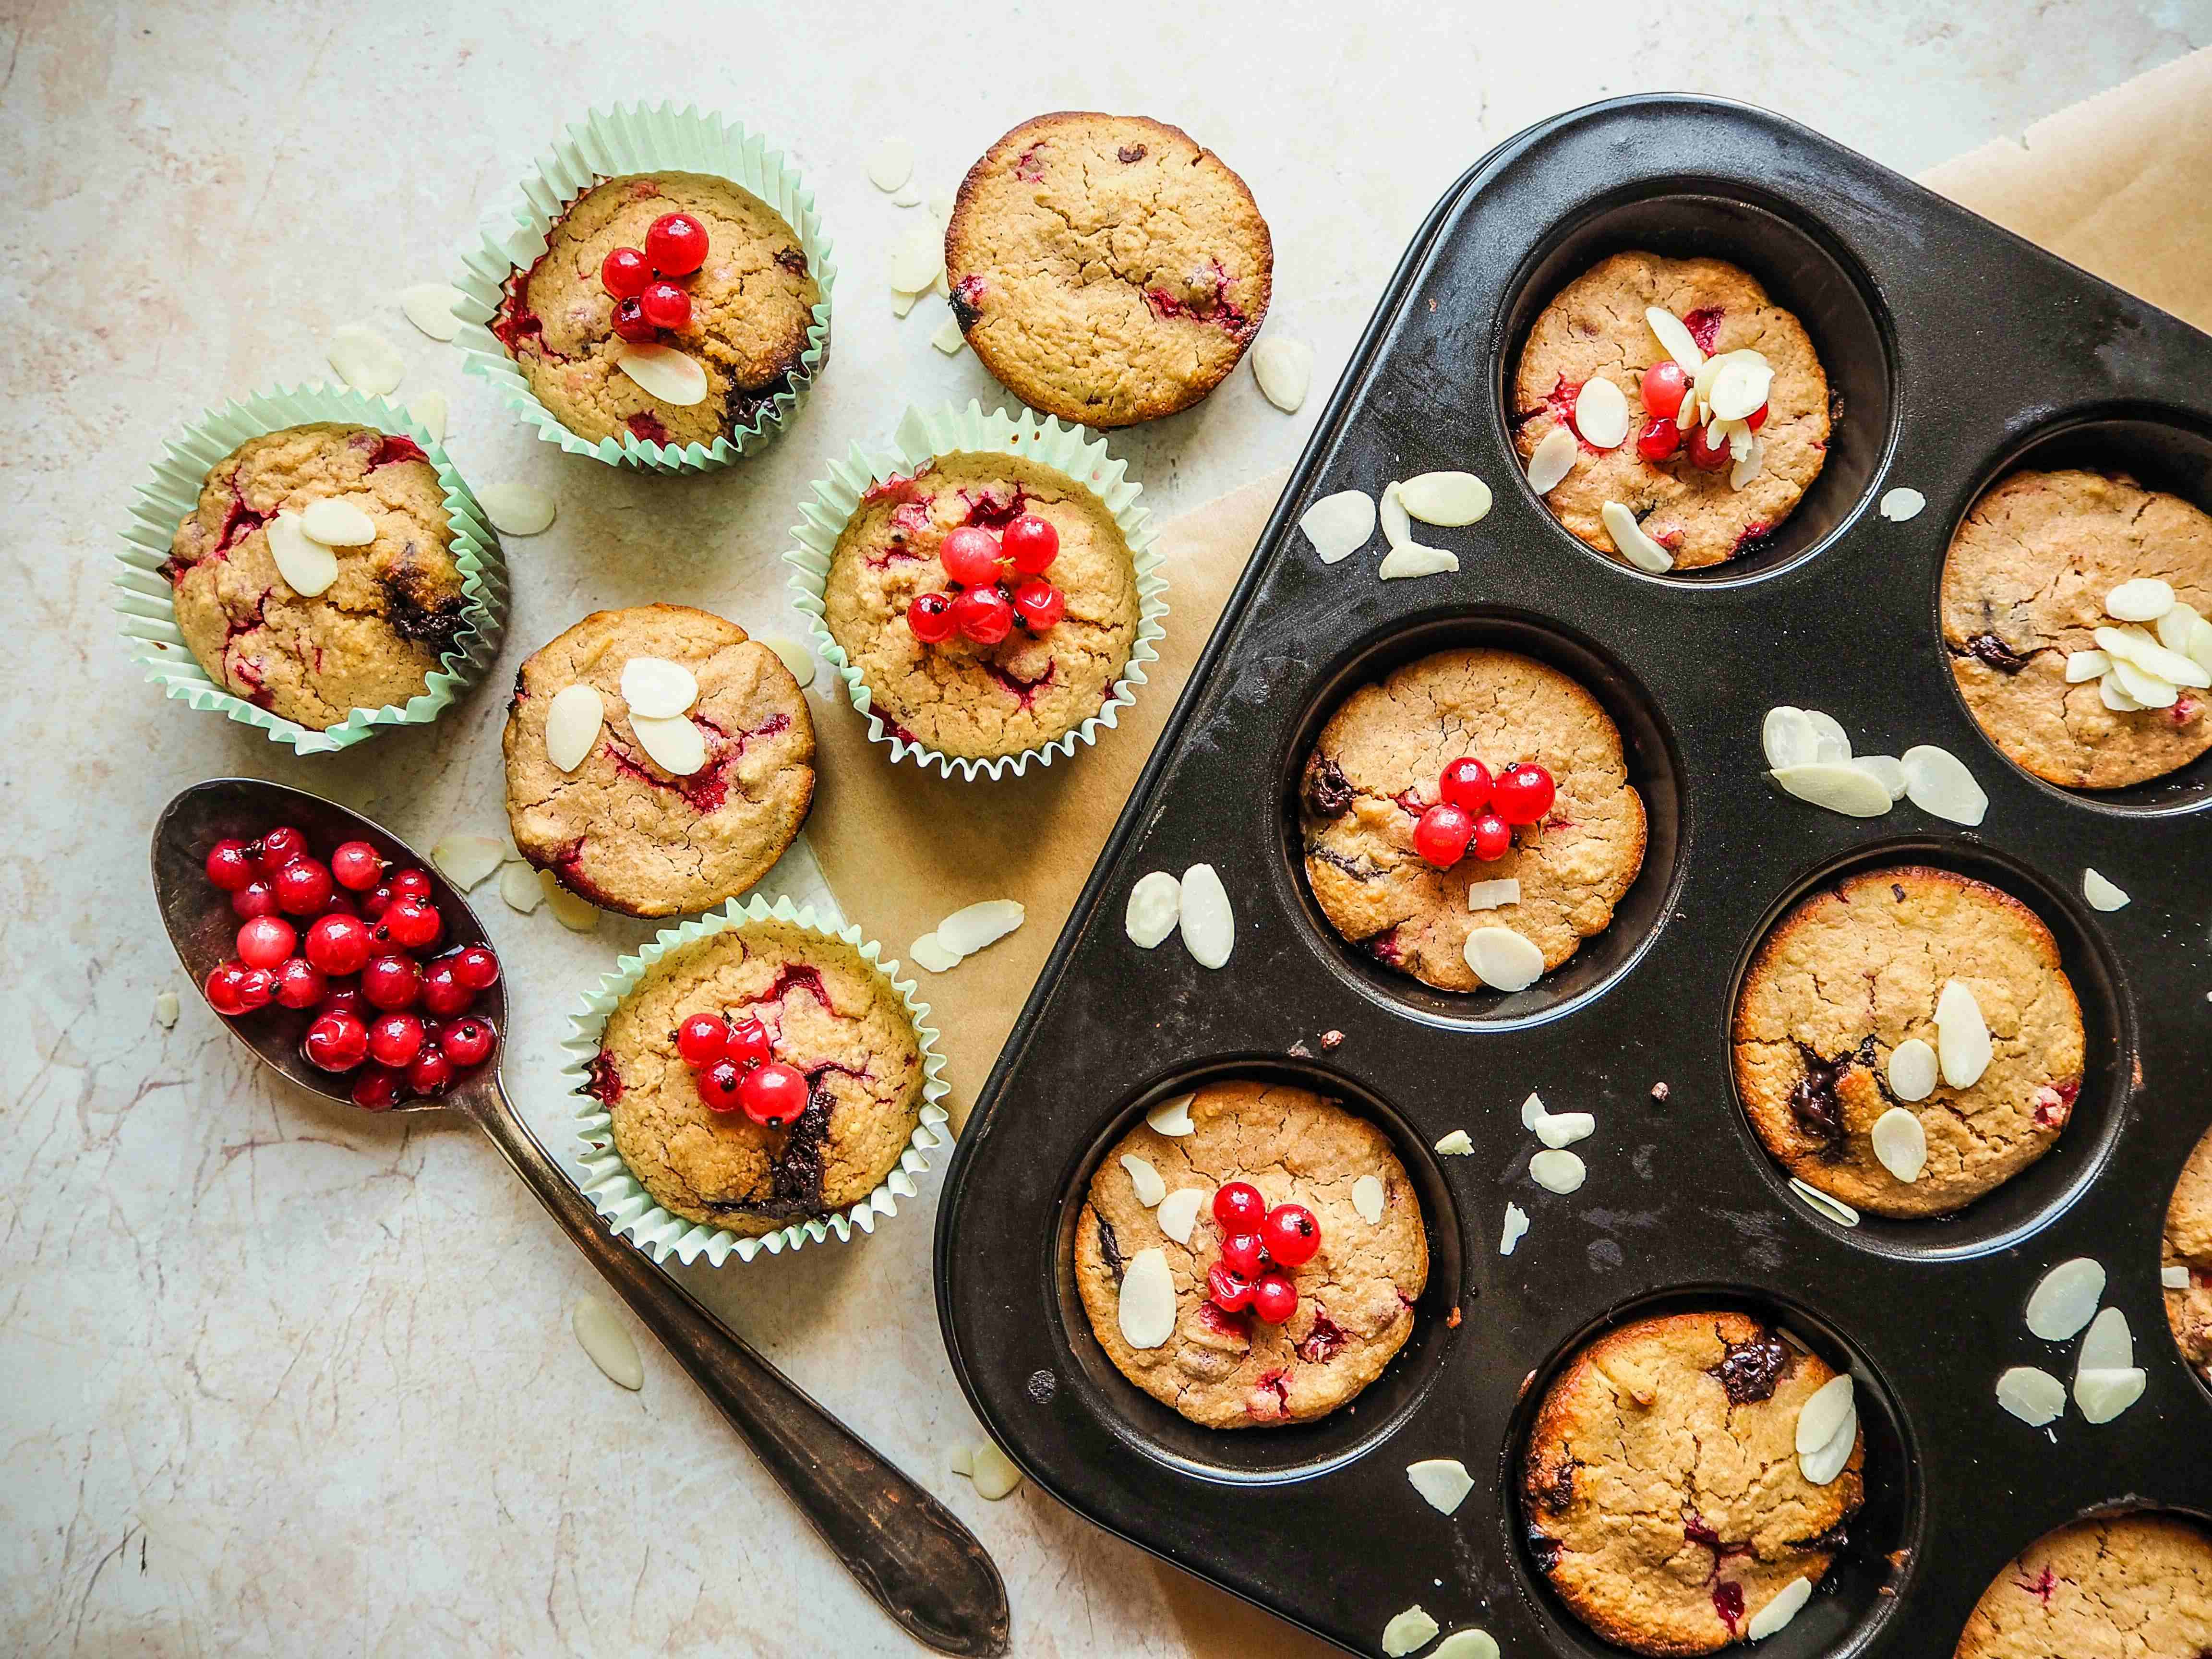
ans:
(983, 615)
(749, 1043)
(443, 994)
(303, 887)
(929, 617)
(971, 556)
(774, 1095)
(1239, 1207)
(410, 883)
(341, 903)
(257, 986)
(476, 966)
(1441, 835)
(1246, 1252)
(1038, 603)
(719, 1086)
(1231, 1291)
(665, 305)
(1525, 792)
(375, 903)
(1274, 1299)
(394, 1038)
(630, 322)
(1707, 457)
(469, 1042)
(225, 987)
(430, 1074)
(1466, 784)
(299, 983)
(256, 898)
(345, 998)
(676, 244)
(357, 866)
(1291, 1234)
(280, 846)
(336, 1043)
(228, 868)
(1757, 418)
(1665, 384)
(1031, 544)
(378, 1088)
(412, 924)
(703, 1039)
(625, 272)
(264, 941)
(1492, 839)
(1658, 440)
(337, 945)
(389, 982)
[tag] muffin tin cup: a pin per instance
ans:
(147, 601)
(618, 1194)
(609, 144)
(1076, 453)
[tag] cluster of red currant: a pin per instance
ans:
(983, 606)
(646, 299)
(1665, 385)
(360, 966)
(1480, 811)
(735, 1067)
(1257, 1244)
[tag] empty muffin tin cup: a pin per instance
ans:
(146, 598)
(621, 1197)
(610, 143)
(922, 435)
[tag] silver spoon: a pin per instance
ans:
(907, 1550)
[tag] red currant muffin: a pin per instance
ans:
(1863, 1004)
(361, 619)
(1683, 396)
(658, 760)
(1470, 820)
(2186, 1264)
(2027, 584)
(1664, 1495)
(1106, 268)
(759, 1076)
(2133, 1585)
(678, 263)
(1255, 1262)
(989, 603)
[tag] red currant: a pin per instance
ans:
(624, 272)
(665, 305)
(410, 883)
(1441, 835)
(1665, 384)
(1707, 457)
(1274, 1299)
(929, 617)
(1659, 440)
(1238, 1207)
(1038, 603)
(410, 923)
(357, 866)
(773, 1094)
(225, 988)
(394, 1039)
(703, 1039)
(984, 614)
(389, 982)
(228, 866)
(630, 322)
(303, 887)
(469, 1042)
(1525, 792)
(443, 994)
(1757, 418)
(338, 945)
(377, 1089)
(265, 941)
(1466, 784)
(336, 1043)
(1291, 1234)
(299, 983)
(344, 999)
(1492, 839)
(430, 1074)
(676, 243)
(341, 903)
(1232, 1292)
(280, 846)
(258, 985)
(719, 1086)
(256, 898)
(1246, 1252)
(970, 556)
(1031, 544)
(749, 1043)
(374, 904)
(477, 967)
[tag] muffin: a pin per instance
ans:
(2188, 1258)
(1376, 770)
(2025, 588)
(954, 695)
(828, 1014)
(1227, 1367)
(371, 637)
(1664, 1498)
(618, 827)
(1596, 327)
(751, 304)
(1106, 268)
(2138, 1585)
(1857, 972)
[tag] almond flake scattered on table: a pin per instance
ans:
(428, 411)
(1468, 1643)
(1146, 1311)
(1155, 906)
(961, 1461)
(1901, 503)
(1208, 925)
(1406, 557)
(308, 567)
(1447, 500)
(657, 688)
(1407, 1633)
(1553, 457)
(1503, 959)
(948, 338)
(335, 523)
(1171, 1117)
(917, 260)
(2102, 894)
(1788, 1602)
(927, 952)
(1145, 1179)
(1901, 1144)
(1962, 1036)
(663, 373)
(1628, 538)
(798, 658)
(674, 743)
(2102, 1395)
(1937, 781)
(602, 1335)
(891, 164)
(902, 303)
(465, 860)
(993, 1472)
(518, 886)
(167, 1007)
(573, 722)
(1886, 770)
(429, 306)
(1339, 526)
(516, 509)
(365, 360)
(1517, 1228)
(1367, 1199)
(1837, 786)
(577, 915)
(1178, 1212)
(967, 931)
(1558, 1171)
(907, 195)
(1833, 1207)
(1284, 369)
(1557, 1129)
(2108, 1345)
(1914, 1070)
(2065, 1299)
(2031, 1395)
(1443, 1482)
(1456, 1144)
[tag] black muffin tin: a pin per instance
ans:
(1957, 352)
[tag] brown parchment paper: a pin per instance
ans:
(2120, 185)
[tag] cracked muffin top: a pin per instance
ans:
(1856, 970)
(828, 1015)
(751, 304)
(2024, 586)
(1376, 769)
(954, 695)
(2188, 1250)
(1356, 1294)
(1662, 1488)
(1107, 269)
(2126, 1587)
(1595, 327)
(619, 828)
(373, 637)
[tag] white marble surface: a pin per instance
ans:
(278, 1378)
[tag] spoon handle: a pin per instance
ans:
(906, 1549)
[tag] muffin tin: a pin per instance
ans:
(1957, 351)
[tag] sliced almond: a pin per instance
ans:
(1284, 369)
(1747, 464)
(2174, 1276)
(577, 915)
(1443, 1482)
(1493, 895)
(907, 195)
(1209, 926)
(1407, 1633)
(2109, 1345)
(1469, 1643)
(365, 360)
(2034, 1395)
(902, 303)
(335, 523)
(2104, 1394)
(969, 929)
(516, 509)
(993, 1472)
(1785, 1604)
(676, 745)
(792, 655)
(1824, 1464)
(2064, 1300)
(1515, 1228)
(657, 688)
(1339, 526)
(2184, 631)
(1146, 1311)
(891, 164)
(1178, 1212)
(2146, 598)
(603, 1336)
(1154, 908)
(1556, 1129)
(1962, 1036)
(2085, 665)
(1886, 770)
(1914, 1071)
(663, 373)
(1837, 786)
(1145, 1180)
(1674, 337)
(572, 725)
(2101, 893)
(1558, 1171)
(1411, 560)
(1533, 1110)
(1601, 413)
(1830, 741)
(167, 1005)
(428, 411)
(2135, 646)
(961, 1461)
(916, 261)
(948, 338)
(1740, 386)
(928, 952)
(1171, 1117)
(1901, 1144)
(1503, 959)
(2114, 696)
(1787, 738)
(1368, 1197)
(1901, 503)
(1823, 1412)
(1630, 541)
(1937, 781)
(1553, 457)
(519, 887)
(429, 306)
(1827, 1203)
(308, 567)
(465, 860)
(1456, 1143)
(1445, 499)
